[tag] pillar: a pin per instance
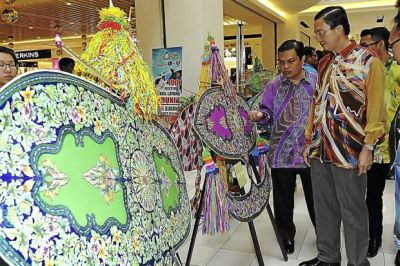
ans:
(187, 24)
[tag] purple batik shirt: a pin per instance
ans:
(287, 106)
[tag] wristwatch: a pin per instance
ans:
(369, 147)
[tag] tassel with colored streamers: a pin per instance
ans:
(215, 208)
(213, 71)
(262, 147)
(205, 71)
(112, 52)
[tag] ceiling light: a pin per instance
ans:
(72, 23)
(68, 4)
(31, 28)
(305, 25)
(273, 7)
(49, 39)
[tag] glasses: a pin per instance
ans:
(11, 66)
(392, 44)
(366, 45)
(321, 34)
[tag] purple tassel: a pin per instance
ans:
(215, 210)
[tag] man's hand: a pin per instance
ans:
(255, 116)
(364, 161)
(306, 153)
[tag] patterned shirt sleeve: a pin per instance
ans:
(376, 114)
(267, 103)
(309, 128)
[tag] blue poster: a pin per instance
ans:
(167, 75)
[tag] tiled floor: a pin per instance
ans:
(235, 248)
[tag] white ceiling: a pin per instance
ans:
(293, 6)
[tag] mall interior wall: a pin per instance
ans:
(187, 24)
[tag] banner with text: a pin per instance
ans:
(167, 74)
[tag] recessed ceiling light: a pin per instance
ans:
(31, 28)
(72, 23)
(68, 4)
(380, 18)
(37, 37)
(305, 25)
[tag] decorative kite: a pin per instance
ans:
(222, 123)
(82, 181)
(86, 178)
(112, 52)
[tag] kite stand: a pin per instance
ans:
(196, 227)
(197, 223)
(270, 214)
(251, 225)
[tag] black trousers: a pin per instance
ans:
(376, 177)
(284, 184)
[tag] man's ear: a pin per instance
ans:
(381, 45)
(339, 29)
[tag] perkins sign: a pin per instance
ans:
(38, 54)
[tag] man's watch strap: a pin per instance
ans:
(370, 147)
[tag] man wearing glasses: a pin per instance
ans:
(377, 41)
(8, 65)
(346, 120)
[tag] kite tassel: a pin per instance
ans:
(215, 210)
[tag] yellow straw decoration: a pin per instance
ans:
(113, 53)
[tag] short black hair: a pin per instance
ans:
(397, 4)
(9, 51)
(309, 51)
(292, 44)
(320, 54)
(334, 16)
(365, 32)
(65, 61)
(380, 34)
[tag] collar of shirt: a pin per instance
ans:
(346, 51)
(389, 63)
(307, 65)
(307, 78)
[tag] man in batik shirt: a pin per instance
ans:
(286, 104)
(377, 41)
(347, 119)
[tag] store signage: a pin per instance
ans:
(28, 64)
(35, 54)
